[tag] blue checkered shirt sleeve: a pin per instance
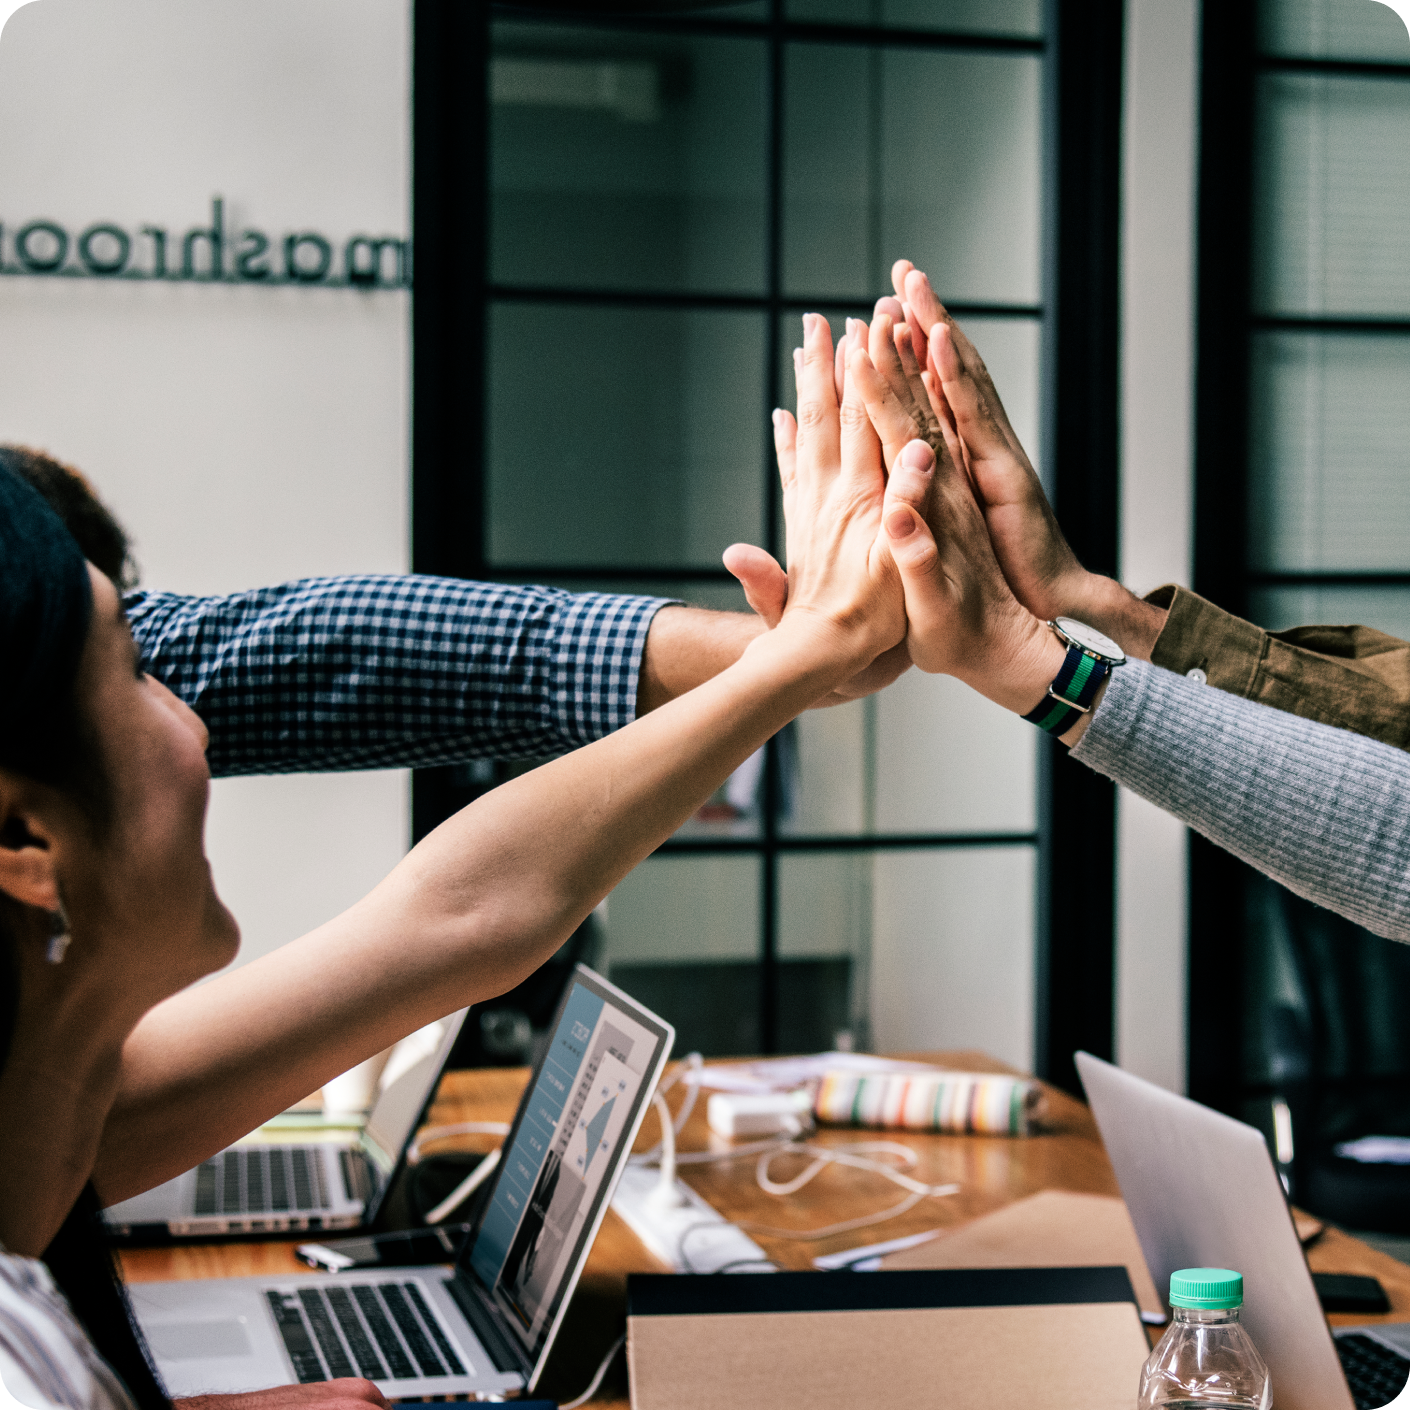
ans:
(382, 672)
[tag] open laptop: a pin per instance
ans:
(486, 1325)
(339, 1184)
(1203, 1193)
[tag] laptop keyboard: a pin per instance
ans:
(1375, 1373)
(261, 1180)
(386, 1332)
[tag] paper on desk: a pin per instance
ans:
(868, 1258)
(1052, 1229)
(781, 1074)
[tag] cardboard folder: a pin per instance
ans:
(1052, 1229)
(986, 1339)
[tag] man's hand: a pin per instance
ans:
(346, 1394)
(946, 370)
(964, 620)
(1037, 561)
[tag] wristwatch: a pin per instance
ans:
(1091, 658)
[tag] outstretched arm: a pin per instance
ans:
(386, 671)
(492, 892)
(1321, 810)
(381, 671)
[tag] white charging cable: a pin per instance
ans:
(597, 1379)
(689, 1073)
(859, 1155)
(458, 1128)
(475, 1178)
(667, 1194)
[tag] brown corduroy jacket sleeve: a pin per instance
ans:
(1352, 677)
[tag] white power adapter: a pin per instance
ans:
(736, 1114)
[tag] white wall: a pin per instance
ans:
(1160, 143)
(952, 951)
(244, 434)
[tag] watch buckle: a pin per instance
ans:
(1071, 704)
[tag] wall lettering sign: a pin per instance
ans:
(204, 255)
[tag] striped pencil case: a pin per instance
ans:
(982, 1103)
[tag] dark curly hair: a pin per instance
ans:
(104, 542)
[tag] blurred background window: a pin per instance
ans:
(667, 192)
(1303, 516)
(597, 229)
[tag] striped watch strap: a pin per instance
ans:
(1070, 695)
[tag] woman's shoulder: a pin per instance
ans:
(46, 1358)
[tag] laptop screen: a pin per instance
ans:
(570, 1140)
(406, 1091)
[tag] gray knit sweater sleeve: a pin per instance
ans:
(1324, 811)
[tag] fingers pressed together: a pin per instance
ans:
(897, 418)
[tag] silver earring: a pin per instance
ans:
(59, 936)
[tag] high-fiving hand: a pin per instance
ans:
(836, 447)
(839, 572)
(959, 394)
(935, 363)
(992, 564)
(961, 616)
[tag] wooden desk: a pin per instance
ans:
(992, 1171)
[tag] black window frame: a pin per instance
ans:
(452, 294)
(1232, 68)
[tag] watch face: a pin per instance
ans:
(1089, 638)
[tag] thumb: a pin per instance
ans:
(765, 584)
(912, 480)
(917, 556)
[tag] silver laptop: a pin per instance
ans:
(1203, 1193)
(340, 1184)
(486, 1325)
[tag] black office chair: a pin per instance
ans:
(1340, 1059)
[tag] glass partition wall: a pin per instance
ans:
(666, 196)
(1303, 487)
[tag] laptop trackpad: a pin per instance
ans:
(197, 1341)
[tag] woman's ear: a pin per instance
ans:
(27, 863)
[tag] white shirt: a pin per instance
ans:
(46, 1358)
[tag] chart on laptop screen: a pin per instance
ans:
(547, 1192)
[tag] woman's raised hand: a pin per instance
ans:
(947, 373)
(840, 575)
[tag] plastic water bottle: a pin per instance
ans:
(1206, 1358)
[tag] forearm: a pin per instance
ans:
(1321, 810)
(687, 646)
(473, 909)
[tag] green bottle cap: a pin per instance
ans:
(1208, 1289)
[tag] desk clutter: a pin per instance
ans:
(859, 1089)
(979, 1103)
(1031, 1293)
